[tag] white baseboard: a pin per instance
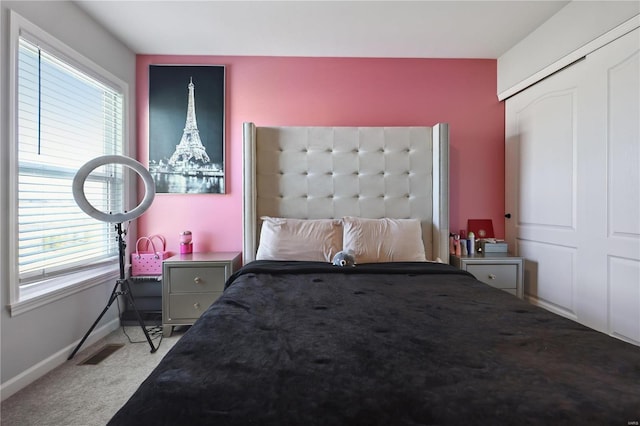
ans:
(32, 374)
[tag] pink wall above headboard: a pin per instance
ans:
(283, 91)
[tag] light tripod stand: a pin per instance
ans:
(121, 288)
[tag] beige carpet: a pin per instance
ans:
(88, 395)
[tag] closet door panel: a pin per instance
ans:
(621, 249)
(624, 150)
(547, 263)
(547, 141)
(573, 188)
(623, 207)
(624, 294)
(541, 183)
(608, 190)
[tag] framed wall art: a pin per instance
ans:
(186, 128)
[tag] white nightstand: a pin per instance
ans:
(191, 283)
(499, 270)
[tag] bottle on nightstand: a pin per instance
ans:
(186, 245)
(472, 243)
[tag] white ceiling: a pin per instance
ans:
(411, 29)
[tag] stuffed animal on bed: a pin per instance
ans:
(344, 258)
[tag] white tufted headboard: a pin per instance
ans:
(331, 172)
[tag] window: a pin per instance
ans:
(66, 114)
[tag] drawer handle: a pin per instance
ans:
(198, 280)
(492, 276)
(196, 306)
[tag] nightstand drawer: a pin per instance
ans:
(197, 280)
(503, 271)
(191, 305)
(499, 276)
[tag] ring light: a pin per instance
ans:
(83, 203)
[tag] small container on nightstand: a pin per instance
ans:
(499, 270)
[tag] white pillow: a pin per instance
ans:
(299, 239)
(383, 240)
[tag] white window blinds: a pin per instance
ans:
(65, 118)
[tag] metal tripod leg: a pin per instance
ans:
(127, 292)
(114, 295)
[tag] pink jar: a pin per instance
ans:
(186, 246)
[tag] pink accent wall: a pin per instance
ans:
(280, 91)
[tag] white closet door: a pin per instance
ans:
(573, 189)
(541, 181)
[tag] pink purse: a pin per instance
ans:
(148, 262)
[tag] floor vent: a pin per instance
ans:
(102, 354)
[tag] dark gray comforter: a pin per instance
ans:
(306, 344)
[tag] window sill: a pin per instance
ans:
(61, 287)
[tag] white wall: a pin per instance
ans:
(36, 341)
(575, 25)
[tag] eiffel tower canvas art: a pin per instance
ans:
(186, 128)
(190, 147)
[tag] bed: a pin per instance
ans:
(394, 340)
